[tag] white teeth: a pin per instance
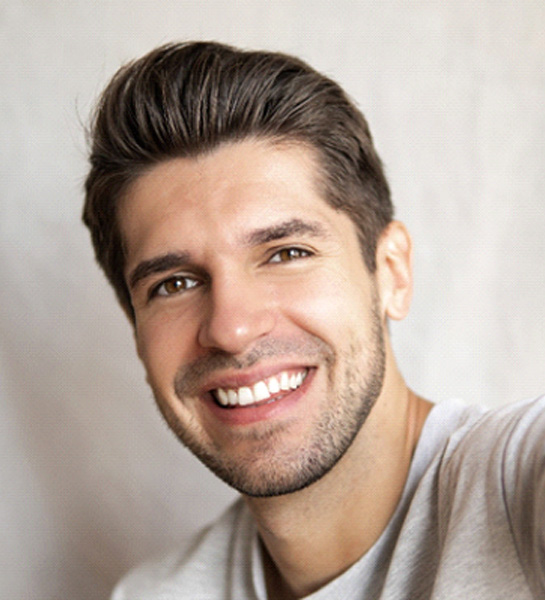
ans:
(262, 390)
(273, 385)
(223, 397)
(245, 396)
(233, 397)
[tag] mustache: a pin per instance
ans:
(189, 378)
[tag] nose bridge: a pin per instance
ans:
(239, 312)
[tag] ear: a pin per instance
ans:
(394, 270)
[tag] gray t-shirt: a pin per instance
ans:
(470, 525)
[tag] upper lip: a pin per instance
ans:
(249, 377)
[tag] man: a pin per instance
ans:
(239, 209)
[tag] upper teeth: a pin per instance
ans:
(262, 390)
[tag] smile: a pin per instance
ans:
(269, 389)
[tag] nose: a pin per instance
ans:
(238, 312)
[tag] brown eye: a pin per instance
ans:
(175, 285)
(289, 254)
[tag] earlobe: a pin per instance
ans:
(394, 270)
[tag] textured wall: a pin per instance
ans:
(91, 480)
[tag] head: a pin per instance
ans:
(239, 209)
(188, 99)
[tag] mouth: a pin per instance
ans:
(263, 391)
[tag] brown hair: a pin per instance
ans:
(185, 99)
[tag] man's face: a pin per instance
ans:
(257, 321)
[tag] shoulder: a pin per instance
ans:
(494, 447)
(500, 434)
(197, 573)
(491, 488)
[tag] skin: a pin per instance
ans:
(238, 270)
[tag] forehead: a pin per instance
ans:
(222, 194)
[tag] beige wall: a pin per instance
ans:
(90, 479)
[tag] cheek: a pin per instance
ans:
(330, 306)
(163, 345)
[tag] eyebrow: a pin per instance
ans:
(159, 264)
(285, 229)
(173, 260)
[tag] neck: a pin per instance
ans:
(310, 537)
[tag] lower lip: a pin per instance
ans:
(245, 415)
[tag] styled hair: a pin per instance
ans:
(185, 99)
